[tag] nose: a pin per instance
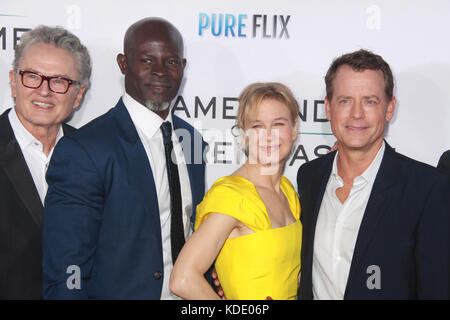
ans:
(272, 135)
(44, 88)
(159, 69)
(357, 110)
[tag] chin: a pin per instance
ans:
(157, 106)
(357, 145)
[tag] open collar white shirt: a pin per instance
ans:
(148, 125)
(33, 152)
(337, 229)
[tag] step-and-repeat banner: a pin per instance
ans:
(229, 44)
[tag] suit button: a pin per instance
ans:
(157, 275)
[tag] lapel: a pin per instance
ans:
(140, 173)
(318, 183)
(67, 128)
(376, 208)
(16, 169)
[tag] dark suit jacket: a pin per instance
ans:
(444, 162)
(404, 230)
(21, 215)
(101, 211)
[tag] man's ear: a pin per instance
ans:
(122, 62)
(327, 108)
(79, 97)
(391, 109)
(12, 82)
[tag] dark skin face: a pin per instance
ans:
(153, 62)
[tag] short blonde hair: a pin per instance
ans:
(256, 92)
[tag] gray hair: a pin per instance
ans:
(60, 38)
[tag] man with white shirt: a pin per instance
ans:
(120, 204)
(375, 223)
(50, 75)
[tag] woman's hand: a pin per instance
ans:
(216, 281)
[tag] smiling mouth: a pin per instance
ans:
(270, 149)
(159, 85)
(356, 128)
(43, 105)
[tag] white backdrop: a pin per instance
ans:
(412, 35)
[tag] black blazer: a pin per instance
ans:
(404, 230)
(444, 162)
(21, 218)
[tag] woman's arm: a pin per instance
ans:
(197, 255)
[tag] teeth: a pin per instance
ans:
(42, 104)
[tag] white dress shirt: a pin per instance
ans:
(33, 152)
(148, 125)
(337, 229)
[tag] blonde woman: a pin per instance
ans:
(248, 223)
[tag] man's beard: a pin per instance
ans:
(157, 106)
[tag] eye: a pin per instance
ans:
(146, 60)
(174, 62)
(31, 76)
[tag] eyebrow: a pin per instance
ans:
(372, 96)
(147, 54)
(365, 97)
(40, 73)
(276, 119)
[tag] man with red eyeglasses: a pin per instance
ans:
(50, 75)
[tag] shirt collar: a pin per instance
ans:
(23, 136)
(143, 118)
(370, 173)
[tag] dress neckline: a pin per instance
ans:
(265, 208)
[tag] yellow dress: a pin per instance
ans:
(264, 263)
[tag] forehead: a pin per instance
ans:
(350, 82)
(153, 46)
(268, 109)
(49, 60)
(154, 39)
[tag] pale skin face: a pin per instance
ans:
(359, 110)
(40, 110)
(270, 133)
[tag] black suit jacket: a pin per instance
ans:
(404, 230)
(444, 162)
(21, 218)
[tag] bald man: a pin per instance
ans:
(117, 212)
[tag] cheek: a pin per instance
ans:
(287, 133)
(255, 136)
(176, 76)
(68, 103)
(376, 117)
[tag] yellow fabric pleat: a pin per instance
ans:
(264, 263)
